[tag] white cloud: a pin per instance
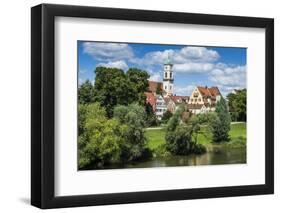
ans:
(108, 51)
(229, 76)
(155, 77)
(193, 67)
(82, 71)
(200, 54)
(80, 81)
(115, 64)
(186, 91)
(185, 55)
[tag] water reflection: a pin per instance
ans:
(216, 155)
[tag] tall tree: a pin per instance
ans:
(135, 141)
(85, 92)
(237, 105)
(111, 88)
(221, 125)
(138, 79)
(115, 87)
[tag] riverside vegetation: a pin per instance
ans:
(117, 127)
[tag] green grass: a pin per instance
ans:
(156, 137)
(238, 130)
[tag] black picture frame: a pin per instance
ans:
(43, 102)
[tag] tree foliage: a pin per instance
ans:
(166, 116)
(181, 137)
(135, 142)
(85, 92)
(221, 124)
(101, 140)
(115, 87)
(151, 119)
(139, 83)
(237, 103)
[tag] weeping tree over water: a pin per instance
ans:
(181, 137)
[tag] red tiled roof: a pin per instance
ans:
(177, 98)
(214, 91)
(152, 86)
(204, 91)
(211, 91)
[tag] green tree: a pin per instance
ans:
(151, 119)
(221, 124)
(85, 92)
(179, 141)
(115, 87)
(181, 138)
(132, 116)
(101, 140)
(237, 105)
(166, 116)
(138, 79)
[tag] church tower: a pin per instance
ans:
(168, 79)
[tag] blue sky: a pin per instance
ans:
(224, 67)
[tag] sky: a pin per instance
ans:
(224, 67)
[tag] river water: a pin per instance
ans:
(216, 155)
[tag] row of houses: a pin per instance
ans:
(161, 97)
(201, 100)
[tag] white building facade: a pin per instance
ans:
(160, 107)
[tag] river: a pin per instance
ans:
(216, 155)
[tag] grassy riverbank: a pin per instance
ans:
(156, 136)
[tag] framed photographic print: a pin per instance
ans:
(140, 106)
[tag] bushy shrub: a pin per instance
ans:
(166, 117)
(239, 142)
(151, 119)
(102, 139)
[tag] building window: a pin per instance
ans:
(165, 74)
(170, 87)
(165, 87)
(170, 75)
(199, 99)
